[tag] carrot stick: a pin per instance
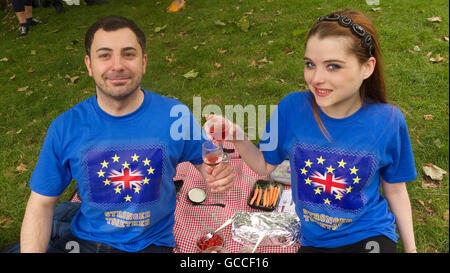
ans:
(254, 195)
(265, 198)
(258, 199)
(277, 192)
(271, 189)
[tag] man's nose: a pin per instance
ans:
(117, 62)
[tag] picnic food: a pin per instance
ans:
(279, 229)
(215, 240)
(197, 195)
(265, 195)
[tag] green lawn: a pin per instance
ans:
(245, 52)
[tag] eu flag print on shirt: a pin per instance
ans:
(332, 179)
(125, 175)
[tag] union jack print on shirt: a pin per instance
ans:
(332, 179)
(124, 175)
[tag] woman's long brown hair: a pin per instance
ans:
(372, 89)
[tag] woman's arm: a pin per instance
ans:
(397, 196)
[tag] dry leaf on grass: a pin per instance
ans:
(434, 172)
(437, 19)
(428, 117)
(21, 168)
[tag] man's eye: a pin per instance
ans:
(105, 55)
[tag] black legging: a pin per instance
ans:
(19, 5)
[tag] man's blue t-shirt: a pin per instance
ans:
(124, 167)
(336, 185)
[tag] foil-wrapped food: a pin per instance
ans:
(279, 228)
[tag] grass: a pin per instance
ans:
(258, 66)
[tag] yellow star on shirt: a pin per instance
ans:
(136, 190)
(135, 157)
(126, 165)
(320, 160)
(127, 198)
(117, 190)
(304, 171)
(338, 196)
(101, 173)
(308, 163)
(342, 163)
(145, 180)
(349, 189)
(146, 162)
(151, 170)
(104, 164)
(326, 201)
(356, 180)
(107, 182)
(115, 158)
(308, 181)
(317, 191)
(353, 170)
(330, 169)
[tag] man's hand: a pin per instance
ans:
(219, 178)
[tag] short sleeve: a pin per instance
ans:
(192, 148)
(50, 176)
(271, 142)
(400, 166)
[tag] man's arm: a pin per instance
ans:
(37, 223)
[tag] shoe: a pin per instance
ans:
(35, 22)
(174, 8)
(23, 31)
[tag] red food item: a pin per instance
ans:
(216, 240)
(211, 130)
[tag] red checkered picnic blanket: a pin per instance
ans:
(191, 221)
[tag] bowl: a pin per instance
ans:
(203, 244)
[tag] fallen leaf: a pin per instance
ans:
(195, 47)
(416, 48)
(4, 60)
(445, 38)
(191, 74)
(5, 222)
(428, 117)
(30, 70)
(73, 79)
(427, 209)
(288, 51)
(218, 65)
(243, 24)
(21, 168)
(426, 185)
(219, 23)
(433, 171)
(222, 51)
(435, 19)
(445, 216)
(429, 54)
(33, 52)
(159, 29)
(23, 88)
(12, 77)
(437, 59)
(169, 59)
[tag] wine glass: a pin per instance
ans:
(213, 154)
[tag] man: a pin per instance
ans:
(117, 146)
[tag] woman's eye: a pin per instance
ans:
(333, 67)
(309, 65)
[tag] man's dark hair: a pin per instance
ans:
(111, 23)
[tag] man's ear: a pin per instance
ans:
(369, 67)
(144, 63)
(87, 62)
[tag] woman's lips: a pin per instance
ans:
(321, 92)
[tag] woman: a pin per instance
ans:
(343, 141)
